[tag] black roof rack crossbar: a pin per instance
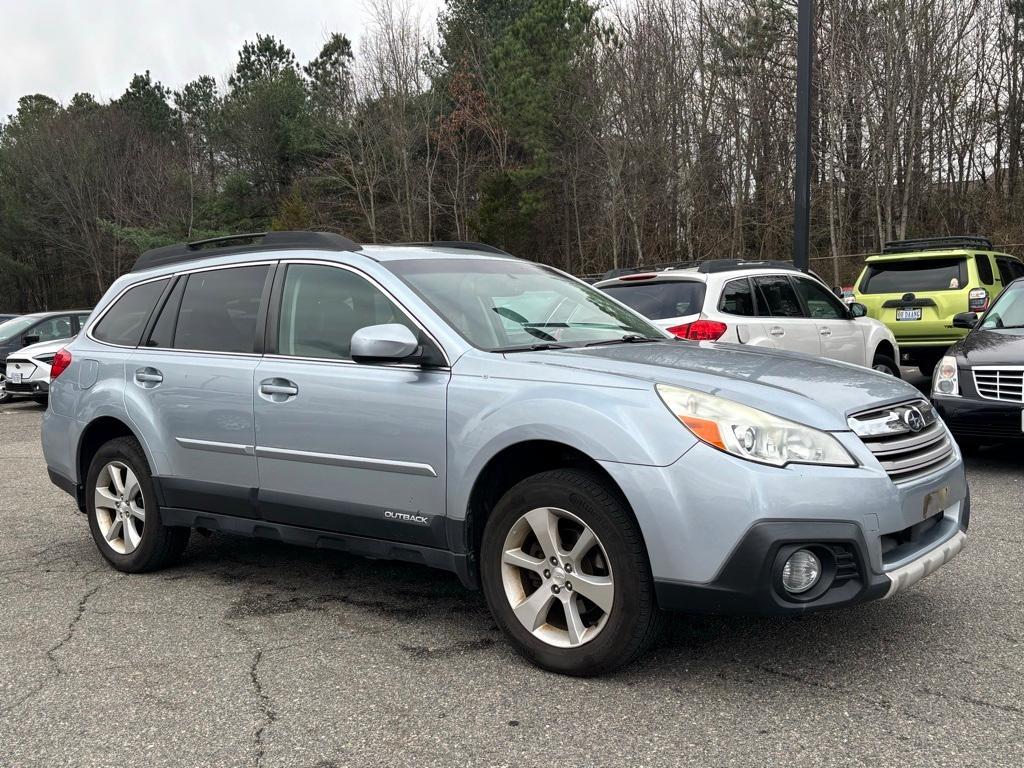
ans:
(464, 245)
(938, 244)
(254, 242)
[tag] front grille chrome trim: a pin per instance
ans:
(1003, 383)
(905, 454)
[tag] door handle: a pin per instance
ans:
(777, 331)
(148, 376)
(826, 331)
(278, 390)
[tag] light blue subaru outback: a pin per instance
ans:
(447, 404)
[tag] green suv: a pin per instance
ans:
(916, 287)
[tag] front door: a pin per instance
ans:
(341, 446)
(841, 337)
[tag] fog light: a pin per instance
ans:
(801, 572)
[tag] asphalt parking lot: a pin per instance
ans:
(253, 653)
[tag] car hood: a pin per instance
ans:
(819, 393)
(1005, 347)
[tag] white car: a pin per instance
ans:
(763, 304)
(28, 371)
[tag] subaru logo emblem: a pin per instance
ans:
(913, 419)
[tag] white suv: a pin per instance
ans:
(764, 304)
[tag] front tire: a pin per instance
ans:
(566, 575)
(124, 516)
(884, 363)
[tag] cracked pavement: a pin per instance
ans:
(252, 653)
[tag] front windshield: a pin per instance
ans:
(14, 327)
(1008, 311)
(505, 305)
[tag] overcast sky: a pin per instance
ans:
(61, 47)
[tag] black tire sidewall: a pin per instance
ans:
(127, 451)
(886, 360)
(582, 495)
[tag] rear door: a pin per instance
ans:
(785, 324)
(191, 385)
(841, 337)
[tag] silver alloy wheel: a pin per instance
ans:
(120, 507)
(562, 593)
(884, 368)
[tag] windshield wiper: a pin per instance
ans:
(629, 338)
(533, 347)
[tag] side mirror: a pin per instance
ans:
(858, 310)
(838, 291)
(968, 320)
(29, 339)
(389, 343)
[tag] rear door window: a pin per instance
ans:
(661, 299)
(1009, 270)
(915, 275)
(776, 297)
(124, 323)
(219, 309)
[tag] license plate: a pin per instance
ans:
(16, 378)
(935, 502)
(908, 314)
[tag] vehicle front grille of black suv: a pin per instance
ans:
(909, 440)
(1005, 384)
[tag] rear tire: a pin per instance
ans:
(595, 541)
(124, 516)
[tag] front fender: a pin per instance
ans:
(607, 423)
(875, 334)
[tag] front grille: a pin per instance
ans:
(909, 440)
(1006, 384)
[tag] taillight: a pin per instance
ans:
(977, 300)
(61, 361)
(700, 330)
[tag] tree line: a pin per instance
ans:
(584, 136)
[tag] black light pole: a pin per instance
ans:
(804, 56)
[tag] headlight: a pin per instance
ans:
(750, 433)
(947, 378)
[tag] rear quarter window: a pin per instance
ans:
(124, 323)
(915, 276)
(984, 265)
(661, 299)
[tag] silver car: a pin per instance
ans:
(450, 405)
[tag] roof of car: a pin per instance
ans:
(692, 274)
(325, 242)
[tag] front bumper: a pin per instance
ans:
(715, 526)
(749, 584)
(991, 420)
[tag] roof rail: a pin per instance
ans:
(938, 244)
(464, 245)
(652, 268)
(729, 265)
(254, 242)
